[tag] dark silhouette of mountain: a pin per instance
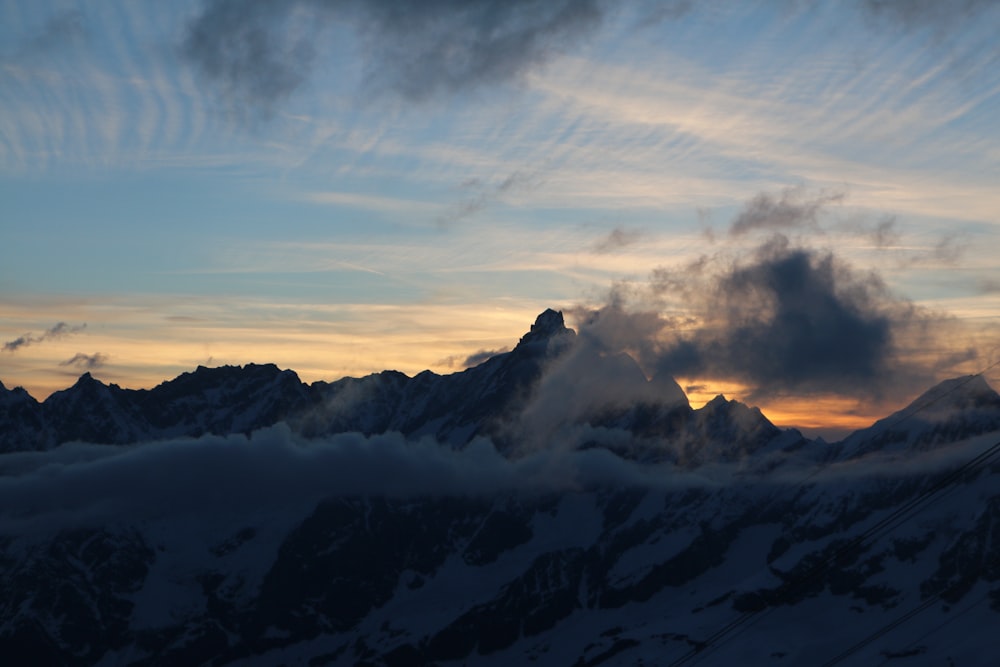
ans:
(548, 382)
(622, 527)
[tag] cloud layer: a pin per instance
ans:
(236, 479)
(77, 484)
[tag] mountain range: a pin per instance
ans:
(550, 505)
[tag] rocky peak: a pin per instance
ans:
(548, 325)
(15, 394)
(86, 379)
(86, 387)
(716, 403)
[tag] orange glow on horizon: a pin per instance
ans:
(831, 413)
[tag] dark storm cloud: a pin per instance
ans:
(790, 319)
(780, 319)
(58, 331)
(260, 51)
(86, 361)
(792, 209)
(618, 238)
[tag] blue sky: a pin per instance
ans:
(344, 187)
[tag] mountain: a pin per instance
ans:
(548, 383)
(548, 506)
(954, 409)
(21, 422)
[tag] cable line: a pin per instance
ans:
(951, 619)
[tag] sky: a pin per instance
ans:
(793, 203)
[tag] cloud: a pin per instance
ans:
(276, 474)
(482, 355)
(484, 195)
(58, 331)
(424, 49)
(885, 234)
(88, 361)
(250, 49)
(274, 470)
(61, 30)
(989, 286)
(595, 373)
(618, 238)
(474, 359)
(913, 14)
(780, 319)
(949, 248)
(260, 51)
(792, 209)
(790, 319)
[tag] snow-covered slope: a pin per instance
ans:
(961, 407)
(641, 566)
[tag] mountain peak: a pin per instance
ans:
(86, 380)
(548, 325)
(961, 392)
(950, 410)
(719, 400)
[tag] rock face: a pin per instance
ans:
(662, 533)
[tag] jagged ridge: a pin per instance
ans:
(548, 382)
